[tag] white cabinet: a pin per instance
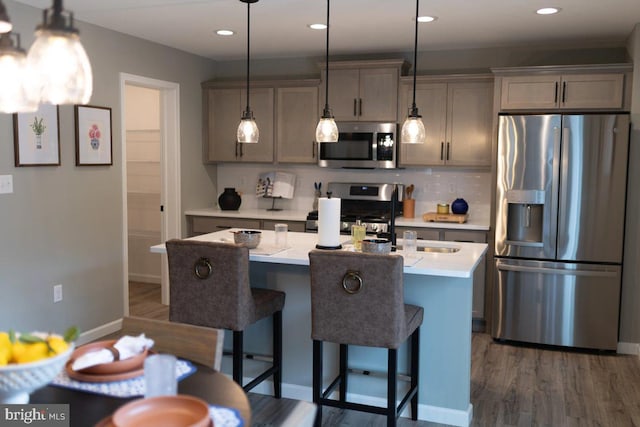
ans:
(555, 91)
(223, 107)
(602, 87)
(457, 116)
(363, 90)
(297, 118)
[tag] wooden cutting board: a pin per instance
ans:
(436, 217)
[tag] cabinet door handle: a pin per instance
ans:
(313, 149)
(555, 97)
(448, 146)
(355, 107)
(360, 107)
(241, 149)
(442, 150)
(237, 148)
(564, 91)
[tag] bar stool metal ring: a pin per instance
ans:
(199, 266)
(352, 282)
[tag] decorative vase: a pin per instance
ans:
(229, 200)
(95, 143)
(459, 206)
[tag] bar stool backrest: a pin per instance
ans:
(209, 284)
(357, 298)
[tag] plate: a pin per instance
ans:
(117, 367)
(101, 378)
(166, 411)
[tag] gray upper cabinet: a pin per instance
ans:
(363, 90)
(457, 115)
(297, 117)
(223, 107)
(563, 88)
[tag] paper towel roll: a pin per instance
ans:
(329, 223)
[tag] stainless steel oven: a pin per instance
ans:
(369, 203)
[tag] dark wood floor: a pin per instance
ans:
(510, 385)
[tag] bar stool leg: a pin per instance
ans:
(277, 354)
(392, 368)
(415, 371)
(238, 355)
(344, 354)
(317, 380)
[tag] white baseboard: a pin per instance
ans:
(99, 332)
(430, 413)
(629, 348)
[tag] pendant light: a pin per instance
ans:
(413, 131)
(327, 130)
(58, 60)
(15, 96)
(5, 23)
(248, 129)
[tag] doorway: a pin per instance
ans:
(151, 177)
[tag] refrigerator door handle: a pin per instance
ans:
(542, 270)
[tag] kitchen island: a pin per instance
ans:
(441, 282)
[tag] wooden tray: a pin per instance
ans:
(436, 217)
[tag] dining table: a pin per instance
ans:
(94, 409)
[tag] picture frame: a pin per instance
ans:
(94, 145)
(36, 137)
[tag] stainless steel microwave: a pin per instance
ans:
(361, 145)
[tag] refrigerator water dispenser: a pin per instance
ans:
(525, 217)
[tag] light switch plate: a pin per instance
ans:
(6, 184)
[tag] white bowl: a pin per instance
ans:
(20, 379)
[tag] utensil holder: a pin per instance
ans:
(409, 208)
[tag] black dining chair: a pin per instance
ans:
(209, 286)
(358, 299)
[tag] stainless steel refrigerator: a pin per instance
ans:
(561, 191)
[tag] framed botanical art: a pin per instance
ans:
(36, 137)
(93, 135)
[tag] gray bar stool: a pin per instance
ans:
(209, 286)
(358, 299)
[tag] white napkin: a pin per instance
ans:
(127, 347)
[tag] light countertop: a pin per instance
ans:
(457, 264)
(478, 219)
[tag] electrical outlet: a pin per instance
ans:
(6, 184)
(57, 293)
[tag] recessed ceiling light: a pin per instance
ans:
(548, 11)
(318, 26)
(224, 32)
(427, 18)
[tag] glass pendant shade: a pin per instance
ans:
(413, 131)
(248, 132)
(61, 67)
(327, 130)
(15, 94)
(5, 22)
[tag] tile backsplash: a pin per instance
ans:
(431, 186)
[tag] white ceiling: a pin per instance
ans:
(279, 27)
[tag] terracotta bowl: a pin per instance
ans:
(117, 367)
(248, 238)
(165, 411)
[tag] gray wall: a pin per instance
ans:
(64, 224)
